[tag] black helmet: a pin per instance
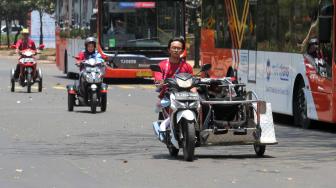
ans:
(313, 41)
(90, 40)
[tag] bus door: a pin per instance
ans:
(250, 33)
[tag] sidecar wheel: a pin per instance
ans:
(189, 141)
(71, 102)
(40, 85)
(12, 85)
(103, 102)
(259, 149)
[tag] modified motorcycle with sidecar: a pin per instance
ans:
(221, 112)
(29, 73)
(89, 90)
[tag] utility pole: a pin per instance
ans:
(197, 40)
(194, 7)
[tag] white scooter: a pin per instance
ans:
(179, 109)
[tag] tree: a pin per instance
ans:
(14, 10)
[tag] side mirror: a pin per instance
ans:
(325, 29)
(13, 46)
(76, 57)
(41, 47)
(155, 68)
(206, 67)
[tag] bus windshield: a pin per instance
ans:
(141, 24)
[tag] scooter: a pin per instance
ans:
(180, 107)
(29, 74)
(90, 91)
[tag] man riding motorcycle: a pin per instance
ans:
(169, 68)
(22, 44)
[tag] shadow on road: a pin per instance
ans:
(221, 157)
(88, 111)
(285, 120)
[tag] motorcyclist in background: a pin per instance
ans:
(22, 44)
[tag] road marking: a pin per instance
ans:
(126, 87)
(147, 86)
(59, 87)
(23, 88)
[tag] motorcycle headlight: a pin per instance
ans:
(184, 83)
(94, 87)
(194, 104)
(178, 104)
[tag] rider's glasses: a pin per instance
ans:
(176, 49)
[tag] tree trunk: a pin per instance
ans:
(41, 26)
(17, 36)
(8, 39)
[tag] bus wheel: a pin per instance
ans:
(300, 108)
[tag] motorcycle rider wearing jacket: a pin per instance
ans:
(169, 68)
(89, 52)
(22, 44)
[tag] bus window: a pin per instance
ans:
(140, 24)
(326, 10)
(249, 38)
(286, 26)
(208, 14)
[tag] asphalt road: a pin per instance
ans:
(44, 145)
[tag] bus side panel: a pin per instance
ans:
(274, 80)
(74, 47)
(61, 44)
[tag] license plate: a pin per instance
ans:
(144, 74)
(186, 96)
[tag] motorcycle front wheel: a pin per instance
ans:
(29, 79)
(188, 140)
(94, 102)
